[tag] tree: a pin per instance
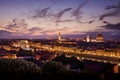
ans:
(62, 58)
(25, 52)
(53, 67)
(18, 69)
(72, 61)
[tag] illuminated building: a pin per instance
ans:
(24, 44)
(62, 40)
(59, 37)
(99, 37)
(44, 55)
(13, 56)
(88, 38)
(37, 57)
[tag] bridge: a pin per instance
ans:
(98, 58)
(105, 59)
(83, 55)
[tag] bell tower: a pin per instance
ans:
(59, 37)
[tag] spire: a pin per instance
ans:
(59, 36)
(88, 38)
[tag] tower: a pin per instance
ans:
(59, 37)
(88, 38)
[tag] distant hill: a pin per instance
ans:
(11, 35)
(5, 34)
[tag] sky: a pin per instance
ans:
(45, 18)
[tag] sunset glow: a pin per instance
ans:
(45, 18)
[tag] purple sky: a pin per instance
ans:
(45, 18)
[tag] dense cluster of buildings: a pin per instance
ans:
(97, 55)
(89, 46)
(99, 38)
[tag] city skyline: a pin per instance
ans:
(45, 18)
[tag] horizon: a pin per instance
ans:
(92, 35)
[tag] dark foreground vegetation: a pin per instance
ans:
(16, 69)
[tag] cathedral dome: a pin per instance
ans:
(99, 37)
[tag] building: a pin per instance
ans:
(13, 54)
(59, 37)
(99, 37)
(100, 67)
(88, 38)
(24, 44)
(44, 55)
(63, 40)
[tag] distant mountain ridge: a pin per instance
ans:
(4, 32)
(11, 35)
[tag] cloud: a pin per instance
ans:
(11, 35)
(115, 11)
(41, 13)
(34, 29)
(67, 20)
(51, 15)
(62, 29)
(89, 22)
(112, 26)
(77, 34)
(49, 31)
(59, 15)
(45, 12)
(113, 7)
(106, 22)
(16, 25)
(4, 32)
(54, 31)
(110, 14)
(77, 13)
